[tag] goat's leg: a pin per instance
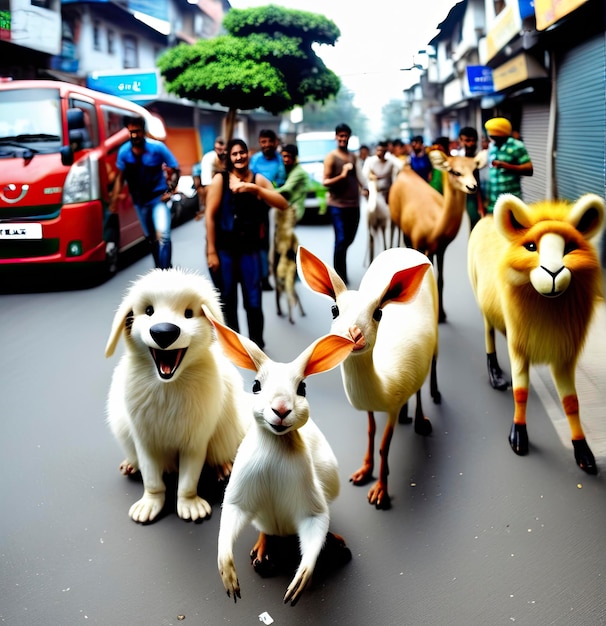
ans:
(422, 424)
(261, 558)
(440, 283)
(278, 297)
(298, 302)
(433, 382)
(378, 494)
(564, 378)
(364, 474)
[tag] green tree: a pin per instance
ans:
(265, 61)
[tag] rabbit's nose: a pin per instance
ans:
(281, 411)
(164, 334)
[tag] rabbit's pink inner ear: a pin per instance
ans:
(232, 346)
(327, 353)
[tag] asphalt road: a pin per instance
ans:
(476, 536)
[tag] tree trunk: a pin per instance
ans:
(230, 123)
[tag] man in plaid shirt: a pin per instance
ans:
(508, 160)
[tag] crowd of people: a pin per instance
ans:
(237, 189)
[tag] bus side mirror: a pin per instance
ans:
(67, 155)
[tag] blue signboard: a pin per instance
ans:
(129, 85)
(479, 78)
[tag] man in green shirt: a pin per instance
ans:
(508, 160)
(295, 187)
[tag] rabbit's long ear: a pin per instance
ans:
(239, 349)
(326, 353)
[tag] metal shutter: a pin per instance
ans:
(580, 143)
(534, 130)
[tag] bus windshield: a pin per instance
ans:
(30, 119)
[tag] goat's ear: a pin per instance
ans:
(439, 160)
(119, 324)
(326, 353)
(587, 215)
(317, 276)
(405, 284)
(481, 159)
(511, 215)
(239, 349)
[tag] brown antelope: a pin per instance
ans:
(428, 220)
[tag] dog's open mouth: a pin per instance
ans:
(167, 361)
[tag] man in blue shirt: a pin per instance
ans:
(152, 174)
(268, 162)
(419, 161)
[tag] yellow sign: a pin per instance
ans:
(550, 11)
(517, 70)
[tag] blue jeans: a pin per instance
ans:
(345, 223)
(244, 269)
(155, 222)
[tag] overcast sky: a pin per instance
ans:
(375, 43)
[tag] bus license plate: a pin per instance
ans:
(20, 231)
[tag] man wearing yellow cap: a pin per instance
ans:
(508, 160)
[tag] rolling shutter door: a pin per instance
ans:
(580, 143)
(534, 130)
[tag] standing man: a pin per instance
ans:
(468, 139)
(508, 160)
(343, 178)
(268, 162)
(152, 174)
(382, 168)
(419, 161)
(295, 187)
(212, 162)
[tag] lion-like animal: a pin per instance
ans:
(536, 277)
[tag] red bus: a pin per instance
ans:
(58, 148)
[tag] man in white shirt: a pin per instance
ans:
(211, 163)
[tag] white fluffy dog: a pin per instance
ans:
(175, 400)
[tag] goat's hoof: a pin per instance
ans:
(584, 456)
(518, 439)
(436, 397)
(403, 415)
(423, 427)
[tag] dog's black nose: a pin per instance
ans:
(164, 334)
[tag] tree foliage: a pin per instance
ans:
(392, 119)
(265, 61)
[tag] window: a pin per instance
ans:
(96, 35)
(43, 4)
(90, 121)
(111, 42)
(131, 53)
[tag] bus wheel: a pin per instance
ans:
(112, 246)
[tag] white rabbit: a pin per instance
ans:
(285, 473)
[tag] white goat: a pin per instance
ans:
(377, 217)
(393, 318)
(285, 473)
(536, 277)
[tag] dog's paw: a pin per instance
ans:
(148, 508)
(193, 508)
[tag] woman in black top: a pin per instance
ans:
(237, 204)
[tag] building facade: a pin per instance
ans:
(112, 46)
(541, 64)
